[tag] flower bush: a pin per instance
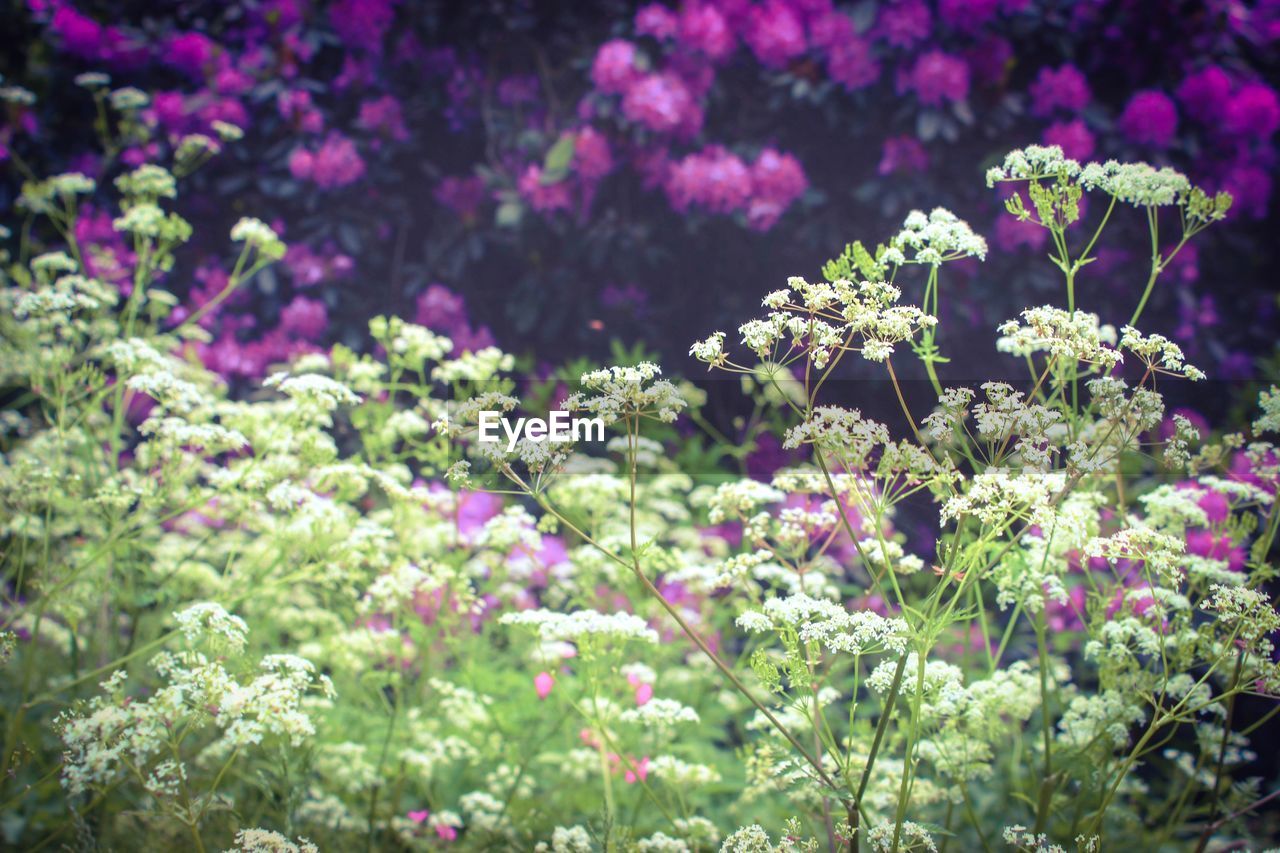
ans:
(321, 614)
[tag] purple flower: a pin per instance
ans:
(518, 89)
(967, 15)
(777, 180)
(702, 29)
(662, 103)
(1204, 93)
(383, 116)
(827, 31)
(656, 20)
(1072, 136)
(614, 68)
(304, 318)
(1150, 118)
(904, 23)
(1250, 186)
(1252, 112)
(189, 53)
(1064, 89)
(335, 164)
(714, 179)
(902, 154)
(989, 60)
(362, 24)
(443, 311)
(543, 197)
(295, 106)
(774, 33)
(851, 64)
(461, 195)
(592, 158)
(936, 77)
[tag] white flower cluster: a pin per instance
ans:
(258, 235)
(1162, 553)
(582, 625)
(268, 841)
(828, 624)
(843, 430)
(997, 497)
(1033, 163)
(208, 619)
(939, 237)
(1076, 335)
(313, 392)
(614, 393)
(912, 836)
(660, 714)
(1159, 353)
(1138, 184)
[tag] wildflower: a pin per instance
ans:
(258, 235)
(614, 70)
(209, 619)
(774, 33)
(269, 841)
(582, 625)
(543, 682)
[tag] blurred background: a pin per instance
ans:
(563, 178)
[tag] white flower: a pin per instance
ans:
(210, 619)
(258, 235)
(583, 625)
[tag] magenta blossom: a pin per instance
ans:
(663, 104)
(1063, 89)
(1204, 93)
(1150, 118)
(936, 77)
(304, 318)
(1253, 112)
(614, 68)
(774, 33)
(902, 154)
(656, 20)
(702, 29)
(1073, 137)
(904, 23)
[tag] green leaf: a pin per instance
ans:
(555, 167)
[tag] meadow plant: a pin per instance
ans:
(323, 615)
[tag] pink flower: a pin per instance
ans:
(967, 15)
(446, 832)
(937, 77)
(301, 162)
(337, 163)
(362, 24)
(189, 53)
(1011, 234)
(614, 68)
(851, 63)
(1073, 137)
(774, 34)
(662, 103)
(591, 156)
(384, 116)
(304, 318)
(1150, 118)
(656, 20)
(714, 179)
(1204, 93)
(640, 773)
(543, 197)
(904, 23)
(419, 816)
(1252, 112)
(1064, 89)
(542, 683)
(702, 29)
(461, 195)
(644, 692)
(902, 154)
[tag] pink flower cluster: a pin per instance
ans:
(717, 181)
(336, 163)
(444, 311)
